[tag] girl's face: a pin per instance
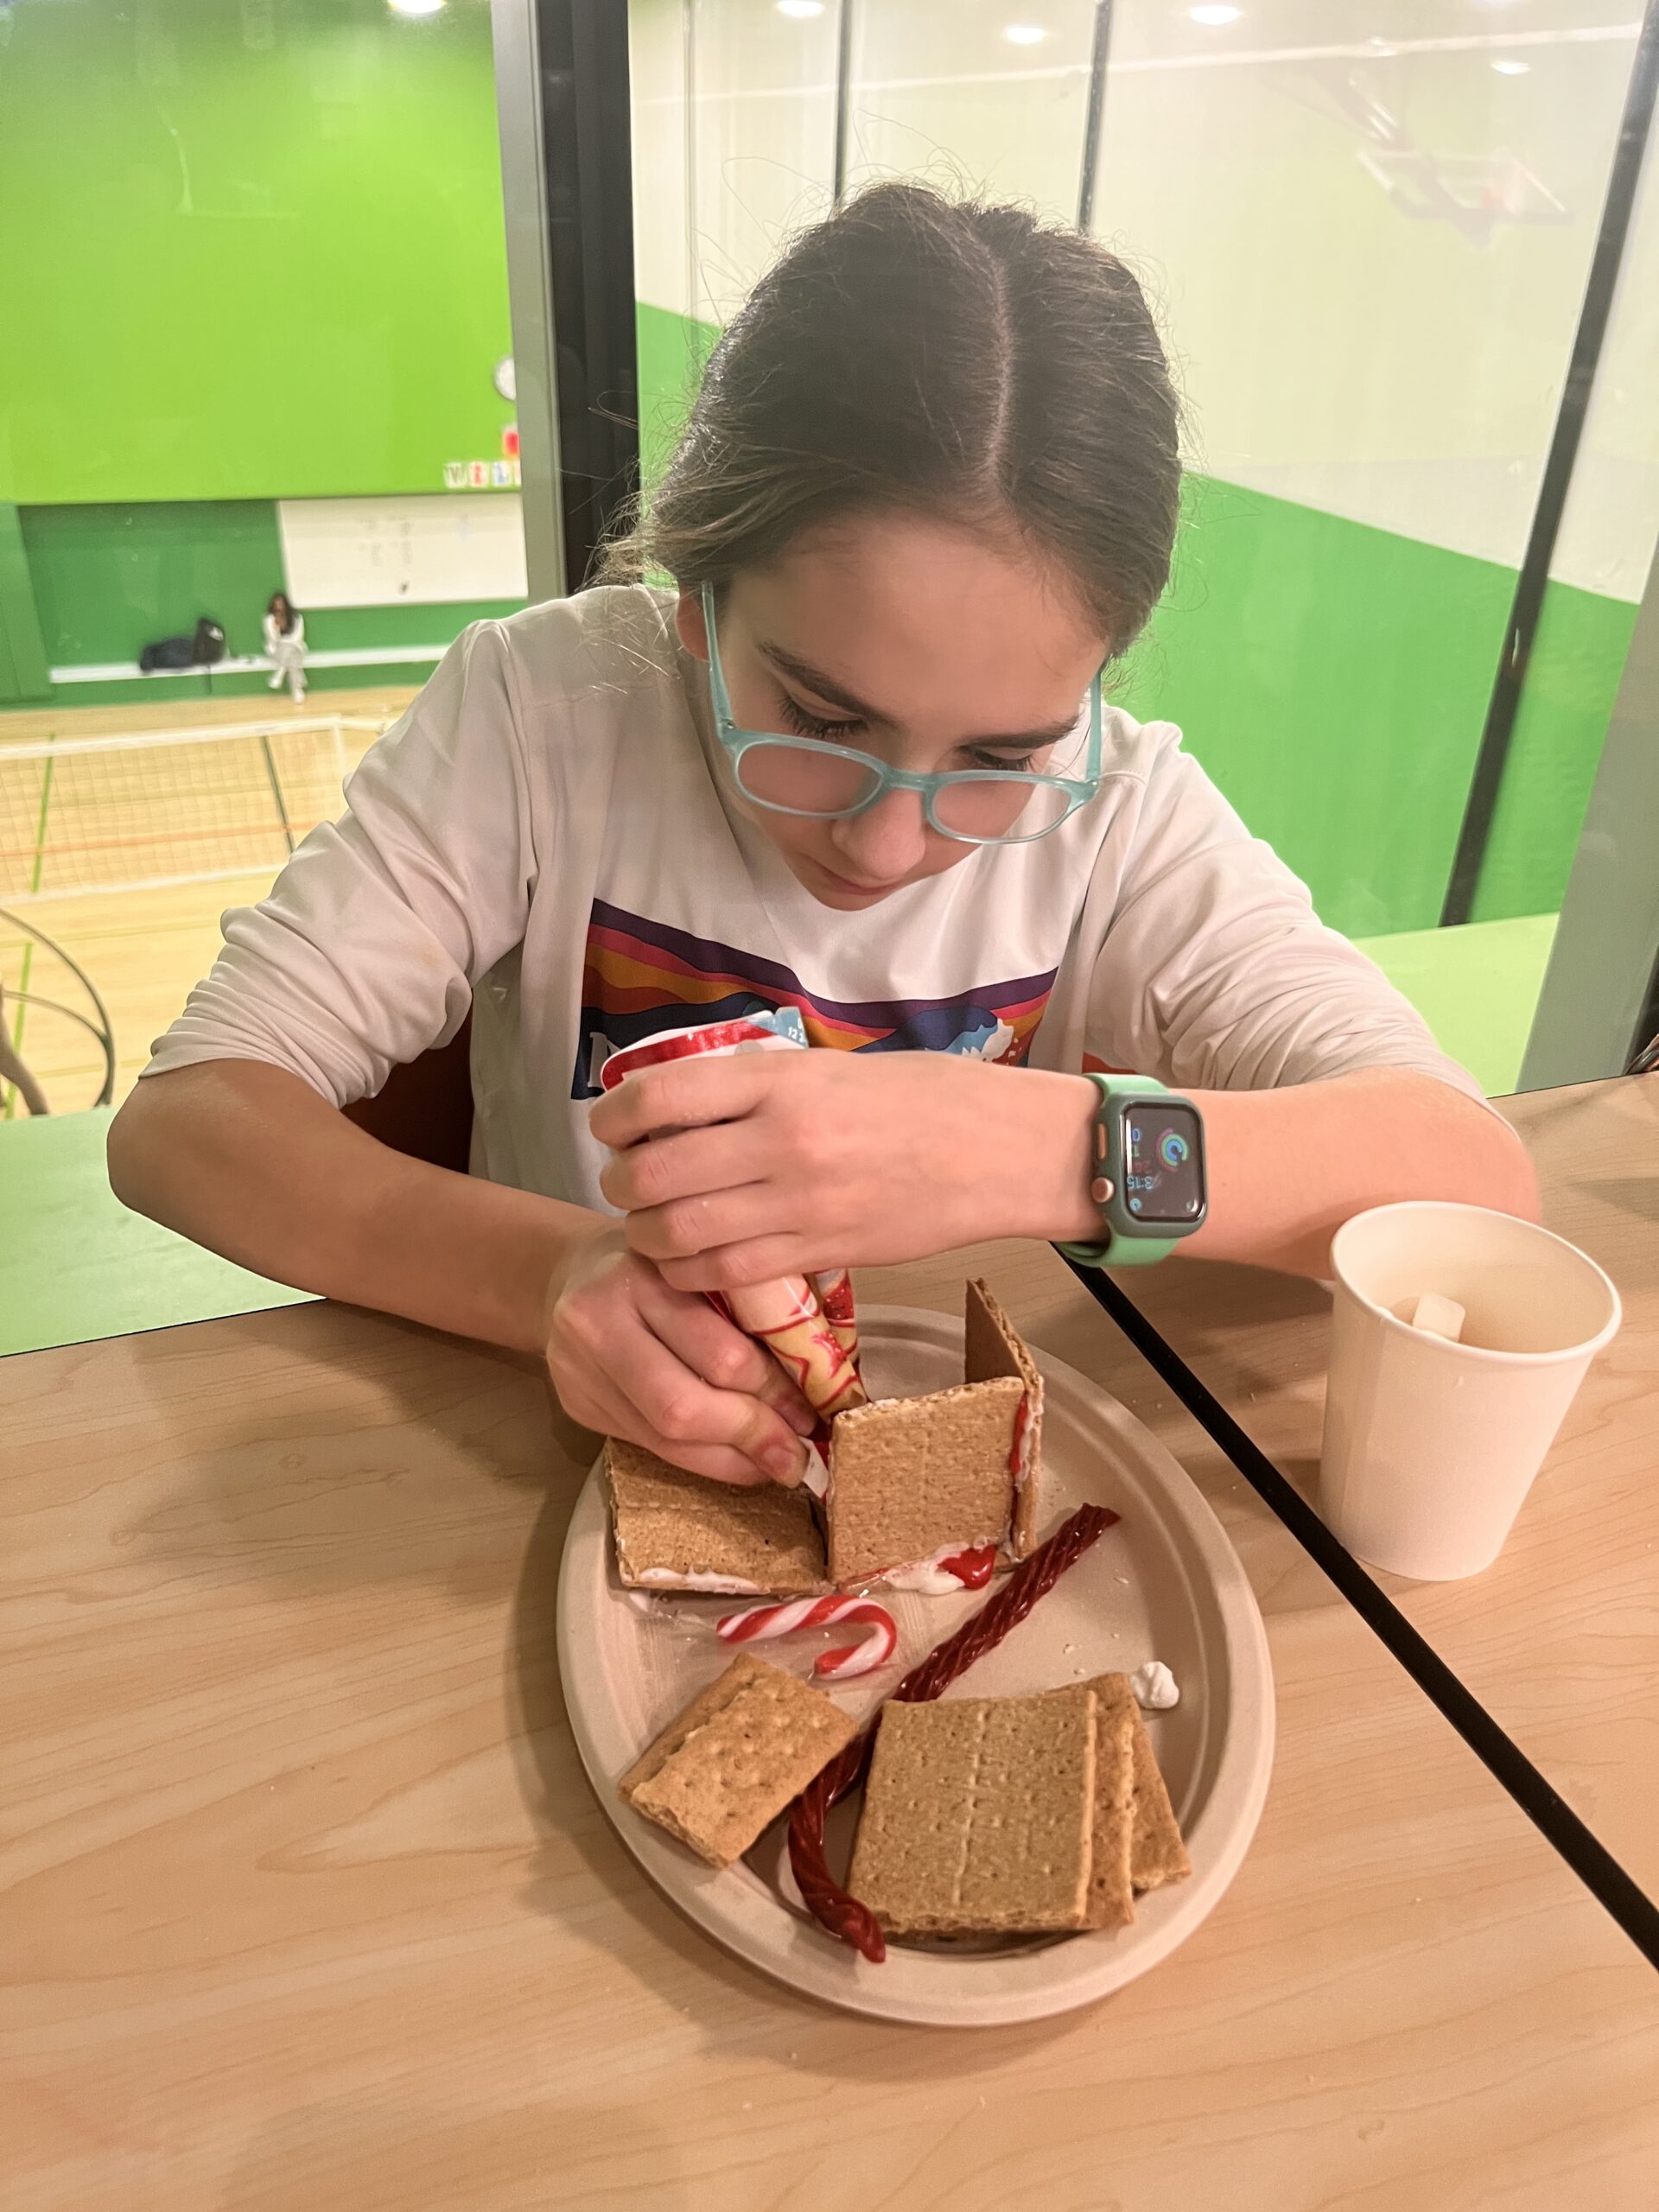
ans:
(930, 645)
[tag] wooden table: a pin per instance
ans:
(1560, 1638)
(307, 1902)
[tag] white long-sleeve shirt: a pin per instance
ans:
(546, 836)
(285, 645)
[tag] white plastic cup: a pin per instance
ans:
(1431, 1445)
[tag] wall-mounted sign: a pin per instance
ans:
(480, 475)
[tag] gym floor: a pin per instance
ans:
(142, 949)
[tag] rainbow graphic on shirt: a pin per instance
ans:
(640, 977)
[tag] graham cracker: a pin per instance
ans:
(737, 1755)
(993, 1347)
(978, 1816)
(1157, 1854)
(910, 1477)
(1111, 1896)
(673, 1528)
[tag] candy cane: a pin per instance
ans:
(760, 1624)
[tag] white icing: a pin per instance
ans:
(1154, 1686)
(669, 1578)
(927, 1577)
(1033, 1414)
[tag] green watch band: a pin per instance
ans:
(1129, 1242)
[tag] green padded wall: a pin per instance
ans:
(106, 579)
(23, 651)
(246, 253)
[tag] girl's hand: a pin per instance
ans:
(766, 1164)
(632, 1357)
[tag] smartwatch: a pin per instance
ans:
(1148, 1177)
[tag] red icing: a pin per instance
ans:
(972, 1569)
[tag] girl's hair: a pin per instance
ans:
(911, 352)
(287, 605)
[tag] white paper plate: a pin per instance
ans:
(1164, 1584)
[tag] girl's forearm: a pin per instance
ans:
(1288, 1167)
(249, 1160)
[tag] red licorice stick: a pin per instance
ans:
(825, 1899)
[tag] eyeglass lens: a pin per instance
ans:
(824, 784)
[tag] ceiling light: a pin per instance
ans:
(414, 7)
(800, 11)
(1025, 34)
(1511, 69)
(1212, 14)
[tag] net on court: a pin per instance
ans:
(128, 812)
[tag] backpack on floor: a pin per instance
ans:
(204, 647)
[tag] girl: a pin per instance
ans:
(285, 646)
(928, 490)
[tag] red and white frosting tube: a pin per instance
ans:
(748, 1033)
(816, 1348)
(784, 1316)
(760, 1624)
(834, 1286)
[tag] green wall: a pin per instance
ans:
(673, 351)
(1334, 678)
(247, 251)
(254, 252)
(106, 579)
(1572, 683)
(23, 651)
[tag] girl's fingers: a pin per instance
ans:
(728, 1267)
(688, 1416)
(605, 1411)
(688, 1163)
(681, 1094)
(687, 1229)
(720, 1352)
(714, 1463)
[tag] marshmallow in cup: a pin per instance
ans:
(1459, 1339)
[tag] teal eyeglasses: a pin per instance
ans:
(811, 777)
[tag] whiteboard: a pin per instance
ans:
(423, 550)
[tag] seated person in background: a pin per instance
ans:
(285, 646)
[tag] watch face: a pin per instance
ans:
(1163, 1163)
